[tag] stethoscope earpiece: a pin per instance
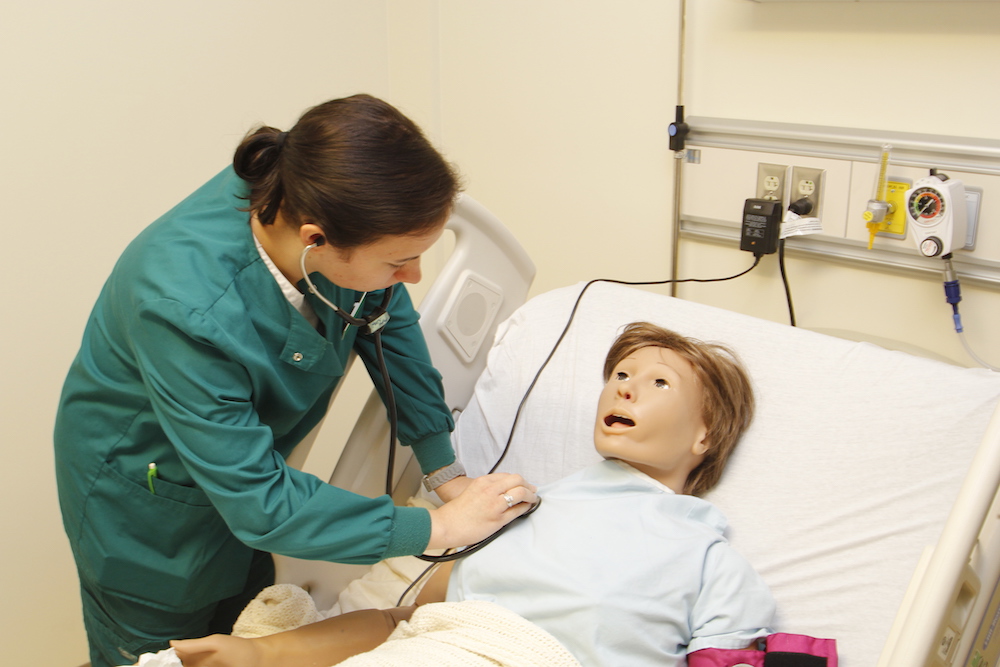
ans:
(368, 324)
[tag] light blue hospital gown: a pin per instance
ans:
(622, 571)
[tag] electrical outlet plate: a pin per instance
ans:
(771, 179)
(807, 182)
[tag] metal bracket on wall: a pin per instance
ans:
(785, 141)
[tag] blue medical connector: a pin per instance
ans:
(952, 292)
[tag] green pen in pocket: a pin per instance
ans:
(149, 477)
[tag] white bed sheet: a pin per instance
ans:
(847, 474)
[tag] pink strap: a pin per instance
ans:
(824, 648)
(776, 643)
(725, 657)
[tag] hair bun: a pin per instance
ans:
(256, 157)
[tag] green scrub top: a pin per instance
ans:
(194, 360)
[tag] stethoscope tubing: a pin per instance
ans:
(371, 324)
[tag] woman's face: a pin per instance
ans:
(378, 265)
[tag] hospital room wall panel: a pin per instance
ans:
(903, 67)
(114, 111)
(717, 181)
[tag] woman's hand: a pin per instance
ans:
(484, 506)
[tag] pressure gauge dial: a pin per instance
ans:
(925, 205)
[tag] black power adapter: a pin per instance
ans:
(761, 226)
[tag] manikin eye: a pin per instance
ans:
(660, 383)
(621, 376)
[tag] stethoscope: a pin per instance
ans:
(369, 325)
(372, 325)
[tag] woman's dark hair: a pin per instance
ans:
(356, 167)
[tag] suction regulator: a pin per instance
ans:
(936, 211)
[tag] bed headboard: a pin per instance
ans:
(848, 472)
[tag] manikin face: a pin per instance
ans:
(387, 261)
(649, 416)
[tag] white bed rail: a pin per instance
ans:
(943, 607)
(485, 279)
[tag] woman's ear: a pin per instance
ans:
(310, 233)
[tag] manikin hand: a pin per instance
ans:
(323, 643)
(219, 651)
(480, 510)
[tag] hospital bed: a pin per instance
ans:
(864, 492)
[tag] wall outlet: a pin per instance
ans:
(771, 181)
(807, 183)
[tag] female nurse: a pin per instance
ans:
(207, 359)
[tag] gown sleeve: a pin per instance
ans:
(734, 606)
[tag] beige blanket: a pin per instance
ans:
(466, 634)
(275, 609)
(445, 634)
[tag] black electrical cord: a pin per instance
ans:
(450, 555)
(784, 280)
(801, 206)
(417, 580)
(572, 315)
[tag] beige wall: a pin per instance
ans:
(557, 113)
(112, 111)
(555, 110)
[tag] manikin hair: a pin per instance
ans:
(727, 402)
(356, 167)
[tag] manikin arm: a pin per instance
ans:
(321, 644)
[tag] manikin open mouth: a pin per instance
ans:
(618, 419)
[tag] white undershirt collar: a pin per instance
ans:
(294, 296)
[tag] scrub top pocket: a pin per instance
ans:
(170, 549)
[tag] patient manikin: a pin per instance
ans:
(622, 563)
